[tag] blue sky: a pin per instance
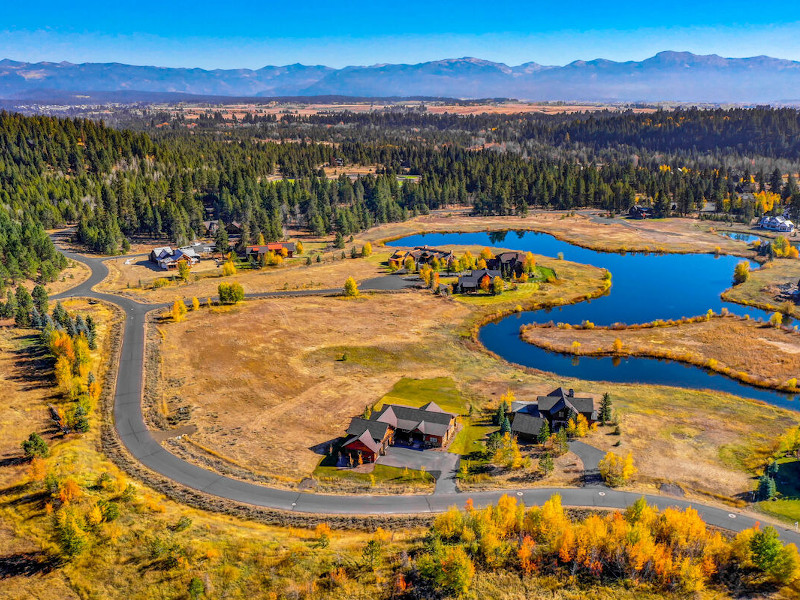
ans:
(239, 33)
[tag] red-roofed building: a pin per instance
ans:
(277, 247)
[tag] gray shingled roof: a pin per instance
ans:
(526, 424)
(376, 428)
(431, 420)
(559, 398)
(474, 278)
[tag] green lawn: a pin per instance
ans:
(416, 392)
(470, 438)
(786, 510)
(524, 291)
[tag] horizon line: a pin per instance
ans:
(381, 64)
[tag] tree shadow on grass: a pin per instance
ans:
(329, 449)
(27, 564)
(33, 365)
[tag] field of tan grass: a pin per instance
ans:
(767, 286)
(582, 228)
(281, 364)
(745, 349)
(294, 274)
(274, 387)
(125, 559)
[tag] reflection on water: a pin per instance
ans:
(645, 287)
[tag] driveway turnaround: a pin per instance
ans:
(443, 466)
(590, 457)
(139, 441)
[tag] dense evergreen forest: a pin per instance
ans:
(266, 173)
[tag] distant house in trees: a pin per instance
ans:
(211, 227)
(427, 427)
(199, 249)
(168, 259)
(510, 264)
(472, 282)
(780, 223)
(555, 409)
(277, 247)
(422, 255)
(638, 211)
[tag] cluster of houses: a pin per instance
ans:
(778, 223)
(421, 255)
(504, 265)
(431, 427)
(555, 409)
(426, 427)
(168, 258)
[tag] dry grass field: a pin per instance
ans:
(192, 112)
(275, 387)
(761, 352)
(253, 391)
(294, 274)
(583, 229)
(234, 558)
(768, 286)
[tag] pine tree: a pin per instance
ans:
(499, 415)
(544, 433)
(605, 409)
(35, 446)
(40, 298)
(505, 427)
(766, 487)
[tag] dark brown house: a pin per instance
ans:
(556, 409)
(426, 427)
(472, 282)
(510, 264)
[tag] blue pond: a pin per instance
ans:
(645, 287)
(741, 237)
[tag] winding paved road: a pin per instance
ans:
(139, 441)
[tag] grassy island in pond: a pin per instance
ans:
(770, 357)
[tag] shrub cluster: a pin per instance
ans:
(671, 550)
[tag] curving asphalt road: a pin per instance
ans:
(139, 441)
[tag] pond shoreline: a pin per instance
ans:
(646, 287)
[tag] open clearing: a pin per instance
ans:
(273, 392)
(292, 275)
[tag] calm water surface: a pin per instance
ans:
(645, 287)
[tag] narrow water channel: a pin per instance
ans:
(645, 287)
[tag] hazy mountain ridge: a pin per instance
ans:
(667, 76)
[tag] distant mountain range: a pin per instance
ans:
(667, 76)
